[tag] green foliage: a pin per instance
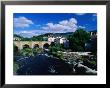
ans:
(15, 67)
(53, 49)
(15, 35)
(15, 48)
(60, 55)
(92, 62)
(78, 39)
(26, 52)
(35, 51)
(94, 46)
(34, 38)
(56, 50)
(45, 39)
(30, 52)
(57, 54)
(39, 50)
(39, 38)
(52, 44)
(26, 39)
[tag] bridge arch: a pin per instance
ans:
(31, 44)
(25, 46)
(16, 48)
(46, 46)
(36, 46)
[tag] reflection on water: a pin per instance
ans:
(42, 65)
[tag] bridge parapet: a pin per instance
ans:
(31, 44)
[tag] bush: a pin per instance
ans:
(15, 67)
(53, 50)
(90, 63)
(27, 52)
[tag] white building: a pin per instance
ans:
(59, 39)
(62, 40)
(51, 39)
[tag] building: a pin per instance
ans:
(51, 39)
(59, 40)
(62, 40)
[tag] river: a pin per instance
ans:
(43, 65)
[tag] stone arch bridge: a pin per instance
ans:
(31, 44)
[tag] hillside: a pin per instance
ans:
(56, 34)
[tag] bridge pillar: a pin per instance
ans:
(31, 44)
(21, 46)
(41, 46)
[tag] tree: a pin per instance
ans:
(15, 49)
(27, 52)
(37, 38)
(78, 39)
(26, 39)
(52, 44)
(94, 46)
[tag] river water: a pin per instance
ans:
(42, 65)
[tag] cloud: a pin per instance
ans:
(94, 17)
(83, 27)
(25, 33)
(80, 13)
(22, 22)
(62, 26)
(31, 33)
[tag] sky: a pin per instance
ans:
(31, 24)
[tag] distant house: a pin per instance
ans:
(51, 39)
(58, 40)
(62, 40)
(93, 33)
